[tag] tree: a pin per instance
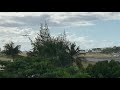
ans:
(11, 50)
(35, 67)
(51, 57)
(58, 48)
(105, 69)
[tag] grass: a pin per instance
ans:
(23, 54)
(86, 63)
(7, 58)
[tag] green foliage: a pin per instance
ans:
(50, 58)
(55, 57)
(72, 70)
(111, 50)
(81, 75)
(105, 69)
(27, 67)
(11, 50)
(31, 67)
(57, 73)
(59, 49)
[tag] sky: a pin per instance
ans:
(87, 29)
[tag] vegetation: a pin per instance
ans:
(28, 67)
(104, 69)
(11, 50)
(54, 57)
(61, 51)
(51, 57)
(111, 50)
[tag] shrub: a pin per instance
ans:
(104, 69)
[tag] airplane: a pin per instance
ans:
(25, 35)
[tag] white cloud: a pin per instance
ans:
(85, 43)
(21, 14)
(15, 24)
(55, 18)
(15, 34)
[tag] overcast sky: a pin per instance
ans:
(87, 29)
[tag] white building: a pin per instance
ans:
(116, 54)
(82, 51)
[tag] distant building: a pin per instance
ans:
(116, 54)
(82, 52)
(96, 50)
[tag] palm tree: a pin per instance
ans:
(11, 50)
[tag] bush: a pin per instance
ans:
(31, 67)
(81, 75)
(62, 52)
(104, 69)
(50, 58)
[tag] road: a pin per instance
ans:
(102, 59)
(89, 59)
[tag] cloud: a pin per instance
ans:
(82, 41)
(56, 19)
(8, 34)
(85, 43)
(21, 14)
(15, 24)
